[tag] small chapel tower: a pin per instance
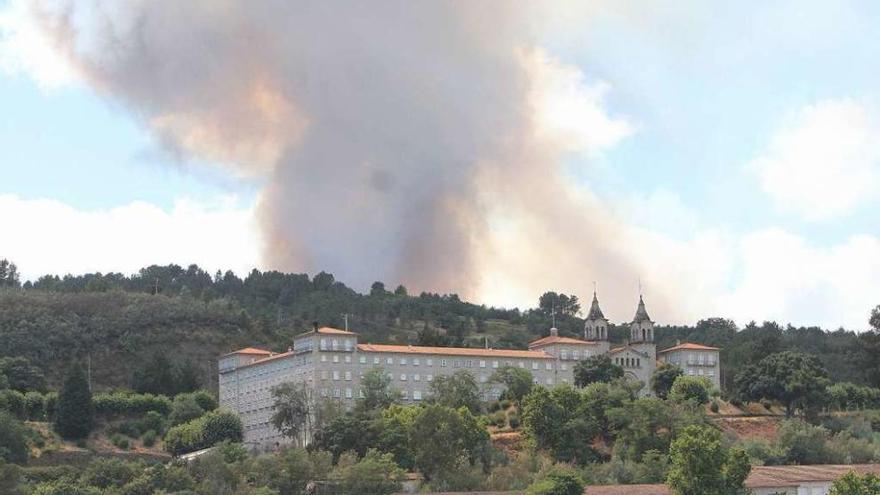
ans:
(641, 328)
(596, 325)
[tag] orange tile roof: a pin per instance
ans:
(454, 351)
(327, 330)
(689, 346)
(273, 357)
(779, 476)
(628, 490)
(552, 339)
(249, 350)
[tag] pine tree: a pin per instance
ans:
(75, 414)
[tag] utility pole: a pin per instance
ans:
(345, 319)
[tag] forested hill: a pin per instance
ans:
(189, 316)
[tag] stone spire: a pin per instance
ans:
(595, 325)
(641, 312)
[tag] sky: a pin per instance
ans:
(723, 156)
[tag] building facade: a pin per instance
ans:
(331, 363)
(695, 360)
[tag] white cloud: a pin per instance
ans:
(46, 236)
(786, 278)
(569, 111)
(826, 163)
(26, 48)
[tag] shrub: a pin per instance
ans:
(204, 432)
(184, 409)
(691, 388)
(120, 441)
(714, 407)
(76, 414)
(493, 406)
(153, 421)
(130, 429)
(149, 438)
(766, 404)
(505, 404)
(558, 482)
(108, 472)
(13, 439)
(51, 405)
(13, 402)
(35, 406)
(513, 421)
(498, 419)
(130, 404)
(204, 399)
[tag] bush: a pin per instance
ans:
(51, 405)
(13, 402)
(766, 404)
(130, 404)
(130, 429)
(558, 483)
(120, 441)
(691, 388)
(498, 419)
(513, 421)
(13, 440)
(153, 421)
(149, 438)
(108, 472)
(714, 407)
(204, 399)
(76, 414)
(35, 406)
(204, 432)
(184, 409)
(493, 406)
(505, 404)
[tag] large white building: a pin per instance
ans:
(331, 363)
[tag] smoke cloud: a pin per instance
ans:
(411, 142)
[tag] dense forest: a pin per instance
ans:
(119, 322)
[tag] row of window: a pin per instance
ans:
(455, 363)
(337, 345)
(628, 362)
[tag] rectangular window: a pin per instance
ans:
(429, 378)
(483, 379)
(405, 394)
(363, 359)
(348, 376)
(482, 364)
(522, 364)
(336, 358)
(348, 345)
(403, 377)
(402, 360)
(417, 395)
(347, 359)
(575, 355)
(548, 366)
(323, 358)
(415, 361)
(323, 374)
(564, 367)
(389, 360)
(564, 354)
(335, 375)
(494, 364)
(337, 393)
(348, 393)
(417, 377)
(376, 360)
(442, 362)
(429, 362)
(535, 366)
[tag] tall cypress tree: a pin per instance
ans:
(75, 414)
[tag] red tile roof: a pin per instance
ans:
(249, 350)
(455, 351)
(273, 357)
(779, 476)
(628, 490)
(327, 330)
(689, 346)
(552, 339)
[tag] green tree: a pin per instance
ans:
(796, 380)
(596, 369)
(517, 382)
(8, 274)
(293, 412)
(108, 472)
(700, 464)
(21, 375)
(377, 390)
(375, 473)
(184, 408)
(75, 414)
(853, 484)
(461, 436)
(13, 443)
(187, 377)
(400, 291)
(10, 475)
(378, 289)
(459, 389)
(155, 376)
(663, 378)
(695, 389)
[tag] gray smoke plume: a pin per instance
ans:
(396, 139)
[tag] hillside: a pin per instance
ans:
(190, 316)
